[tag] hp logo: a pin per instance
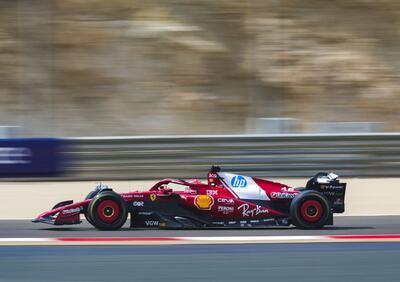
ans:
(238, 182)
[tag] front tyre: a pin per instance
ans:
(309, 210)
(90, 196)
(107, 211)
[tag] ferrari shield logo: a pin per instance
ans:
(204, 202)
(153, 197)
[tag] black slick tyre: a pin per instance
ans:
(309, 210)
(107, 211)
(89, 197)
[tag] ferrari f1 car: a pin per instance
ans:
(227, 200)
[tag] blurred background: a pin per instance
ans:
(98, 68)
(127, 67)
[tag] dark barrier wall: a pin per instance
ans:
(295, 155)
(36, 157)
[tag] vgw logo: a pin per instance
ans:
(238, 182)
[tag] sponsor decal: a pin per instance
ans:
(212, 192)
(238, 181)
(153, 197)
(268, 220)
(152, 223)
(247, 212)
(225, 210)
(226, 201)
(219, 222)
(282, 195)
(333, 193)
(332, 187)
(138, 195)
(138, 203)
(204, 202)
(71, 211)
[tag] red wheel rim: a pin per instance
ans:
(311, 210)
(108, 211)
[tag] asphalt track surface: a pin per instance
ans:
(344, 225)
(341, 261)
(263, 262)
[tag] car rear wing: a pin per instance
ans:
(329, 185)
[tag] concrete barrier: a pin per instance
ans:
(25, 200)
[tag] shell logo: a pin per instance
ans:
(204, 202)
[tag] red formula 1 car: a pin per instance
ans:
(228, 200)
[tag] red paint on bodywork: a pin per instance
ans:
(61, 214)
(224, 204)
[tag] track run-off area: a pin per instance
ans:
(346, 229)
(354, 249)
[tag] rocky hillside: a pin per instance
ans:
(128, 67)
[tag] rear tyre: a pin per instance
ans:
(310, 210)
(107, 211)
